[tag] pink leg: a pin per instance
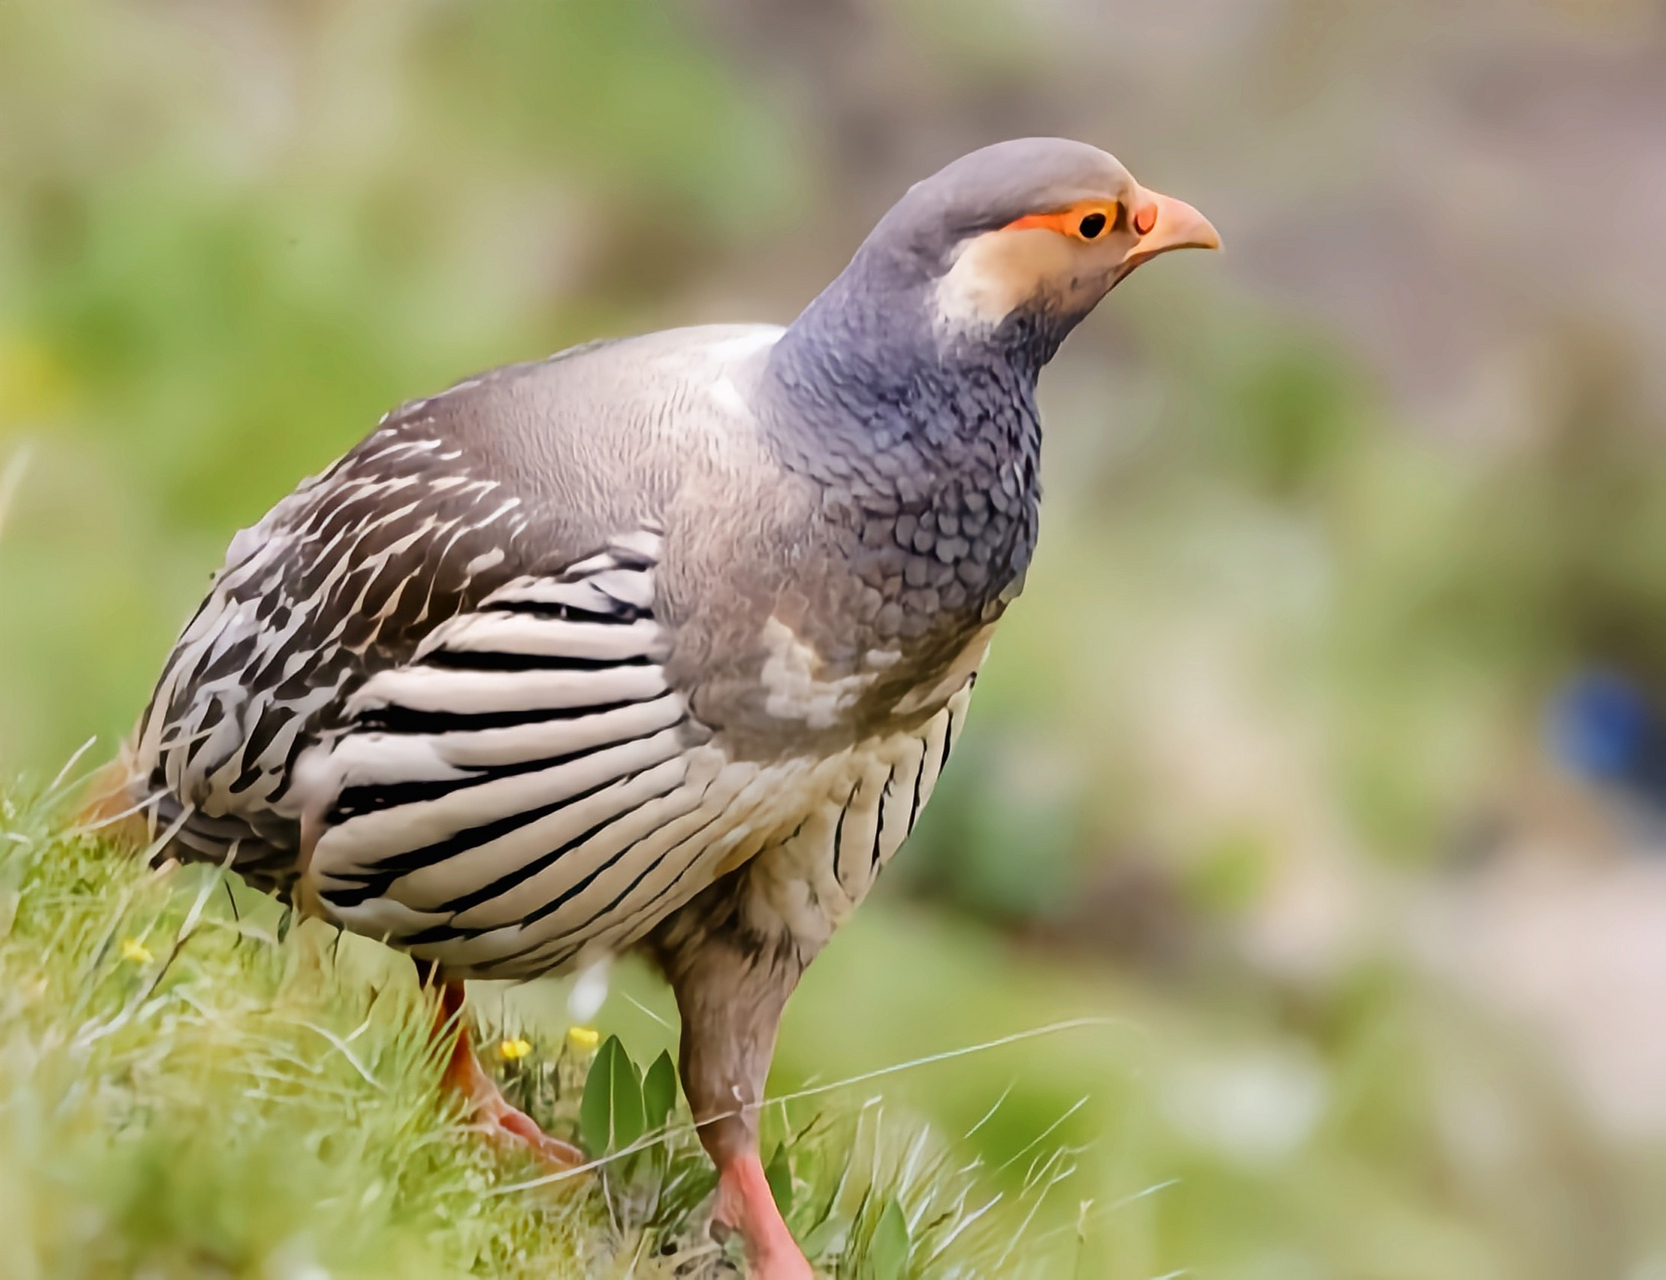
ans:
(464, 1074)
(731, 987)
(745, 1204)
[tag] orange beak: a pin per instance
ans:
(1164, 223)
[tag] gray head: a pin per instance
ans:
(1011, 244)
(914, 372)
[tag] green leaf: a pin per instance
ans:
(610, 1114)
(888, 1250)
(659, 1092)
(779, 1174)
(827, 1237)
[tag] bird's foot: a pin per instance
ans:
(499, 1116)
(488, 1108)
(746, 1206)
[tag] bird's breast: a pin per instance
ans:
(826, 669)
(843, 820)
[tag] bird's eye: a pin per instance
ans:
(1091, 225)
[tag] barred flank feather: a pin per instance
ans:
(482, 737)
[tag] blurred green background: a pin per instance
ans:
(1258, 768)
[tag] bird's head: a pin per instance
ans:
(1024, 236)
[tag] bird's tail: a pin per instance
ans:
(122, 806)
(112, 803)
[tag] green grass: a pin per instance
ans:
(189, 1089)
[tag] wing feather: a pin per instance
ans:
(528, 781)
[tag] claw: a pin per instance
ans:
(489, 1108)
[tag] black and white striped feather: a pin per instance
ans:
(402, 706)
(341, 579)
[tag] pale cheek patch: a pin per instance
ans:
(998, 272)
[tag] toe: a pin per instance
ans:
(522, 1128)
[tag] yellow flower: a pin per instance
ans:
(136, 951)
(34, 384)
(514, 1050)
(585, 1038)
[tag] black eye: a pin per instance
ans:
(1092, 225)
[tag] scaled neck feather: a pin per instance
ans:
(926, 444)
(864, 390)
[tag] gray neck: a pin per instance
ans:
(865, 389)
(930, 448)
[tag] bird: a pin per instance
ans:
(658, 644)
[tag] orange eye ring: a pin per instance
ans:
(1086, 222)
